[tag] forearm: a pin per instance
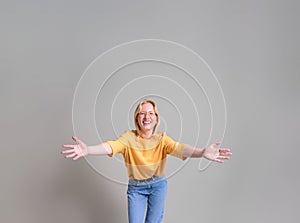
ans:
(101, 149)
(193, 152)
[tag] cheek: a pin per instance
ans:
(140, 121)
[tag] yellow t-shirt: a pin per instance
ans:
(145, 158)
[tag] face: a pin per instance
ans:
(147, 118)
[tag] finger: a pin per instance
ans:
(223, 157)
(68, 146)
(77, 157)
(218, 161)
(70, 155)
(224, 150)
(225, 153)
(217, 143)
(67, 151)
(76, 139)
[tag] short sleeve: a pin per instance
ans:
(174, 148)
(119, 145)
(116, 147)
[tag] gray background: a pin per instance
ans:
(253, 48)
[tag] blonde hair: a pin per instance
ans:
(136, 114)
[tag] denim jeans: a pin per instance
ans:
(151, 193)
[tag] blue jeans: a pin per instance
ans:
(151, 192)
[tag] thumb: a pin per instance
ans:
(75, 139)
(217, 143)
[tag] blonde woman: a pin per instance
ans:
(144, 151)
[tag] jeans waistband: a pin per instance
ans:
(150, 180)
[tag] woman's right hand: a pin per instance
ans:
(76, 151)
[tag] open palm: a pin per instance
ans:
(76, 151)
(217, 154)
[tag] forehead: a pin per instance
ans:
(147, 107)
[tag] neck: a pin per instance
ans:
(146, 135)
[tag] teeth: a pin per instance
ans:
(146, 122)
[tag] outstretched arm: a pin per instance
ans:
(81, 149)
(211, 152)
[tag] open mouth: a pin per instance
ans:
(147, 122)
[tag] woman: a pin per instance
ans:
(144, 151)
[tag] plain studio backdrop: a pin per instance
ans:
(251, 46)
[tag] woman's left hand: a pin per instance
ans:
(216, 154)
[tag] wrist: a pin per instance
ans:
(201, 152)
(198, 153)
(88, 150)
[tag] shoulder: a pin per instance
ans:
(166, 139)
(161, 136)
(130, 133)
(127, 136)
